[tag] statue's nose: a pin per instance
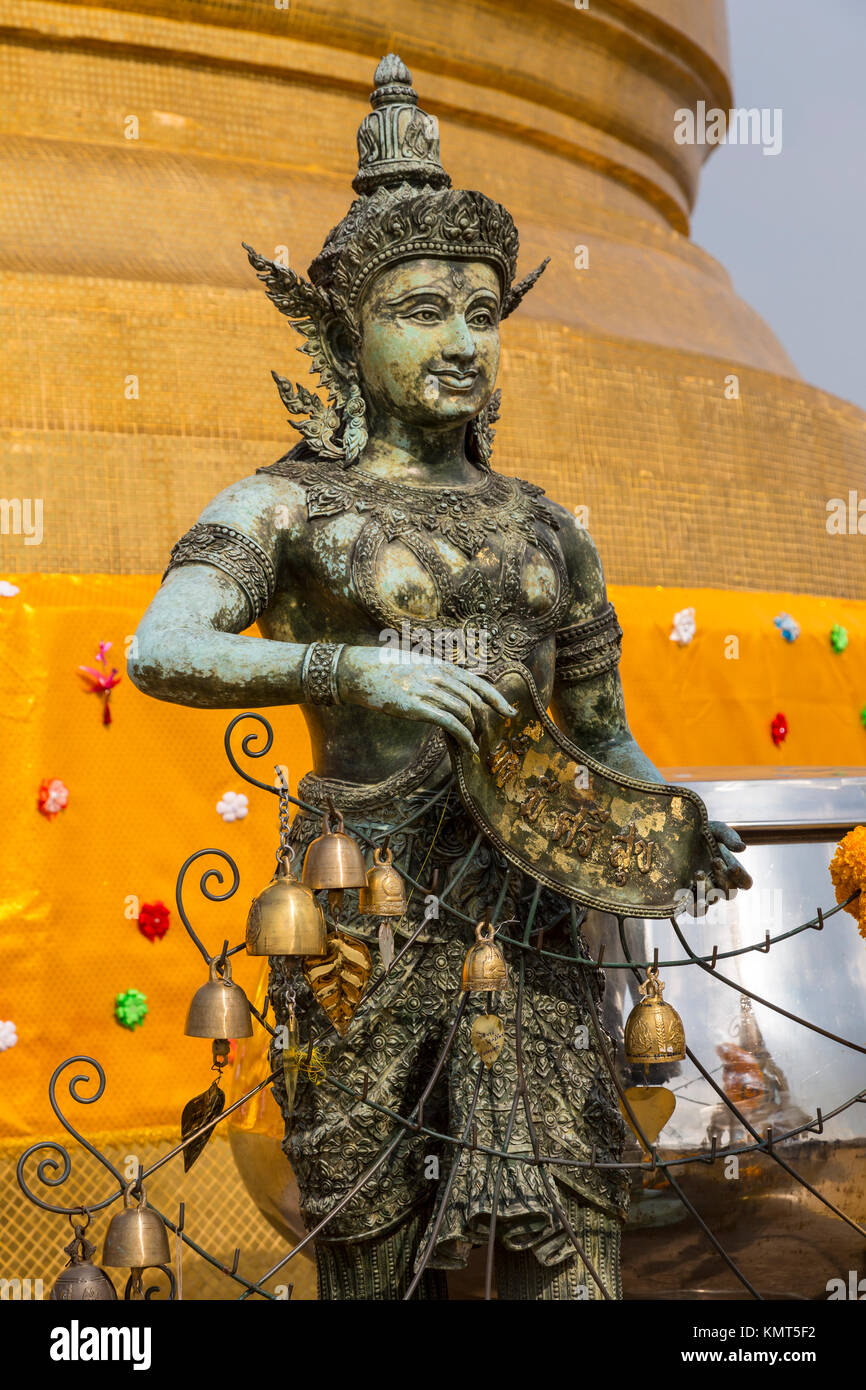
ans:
(460, 344)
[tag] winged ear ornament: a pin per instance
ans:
(292, 294)
(309, 309)
(521, 288)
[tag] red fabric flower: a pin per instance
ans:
(154, 920)
(53, 796)
(779, 729)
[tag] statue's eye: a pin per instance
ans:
(482, 318)
(425, 314)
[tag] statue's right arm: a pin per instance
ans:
(190, 648)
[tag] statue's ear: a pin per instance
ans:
(521, 288)
(340, 347)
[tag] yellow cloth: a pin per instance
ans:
(143, 794)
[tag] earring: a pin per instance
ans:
(354, 412)
(480, 432)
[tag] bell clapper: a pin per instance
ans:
(386, 943)
(291, 1049)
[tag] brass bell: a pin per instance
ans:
(484, 967)
(334, 860)
(81, 1281)
(136, 1237)
(654, 1030)
(285, 919)
(219, 1009)
(384, 895)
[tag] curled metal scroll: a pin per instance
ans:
(133, 1283)
(46, 1170)
(205, 890)
(248, 748)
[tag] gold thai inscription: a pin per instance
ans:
(578, 827)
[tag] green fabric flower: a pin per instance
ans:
(130, 1008)
(838, 637)
(863, 716)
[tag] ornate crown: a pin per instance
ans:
(406, 208)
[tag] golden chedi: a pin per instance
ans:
(178, 128)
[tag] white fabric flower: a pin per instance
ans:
(233, 806)
(8, 590)
(8, 1035)
(684, 627)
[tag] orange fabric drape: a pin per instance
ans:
(143, 796)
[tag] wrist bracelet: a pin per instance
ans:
(319, 673)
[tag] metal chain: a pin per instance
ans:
(285, 848)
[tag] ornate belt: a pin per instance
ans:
(370, 796)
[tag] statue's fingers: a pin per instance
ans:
(437, 714)
(734, 875)
(727, 836)
(485, 689)
(453, 700)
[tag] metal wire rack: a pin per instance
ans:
(55, 1164)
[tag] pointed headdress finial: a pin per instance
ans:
(397, 142)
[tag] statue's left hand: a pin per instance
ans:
(728, 872)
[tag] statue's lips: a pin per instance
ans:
(457, 381)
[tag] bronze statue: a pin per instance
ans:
(395, 577)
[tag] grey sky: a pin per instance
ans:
(790, 229)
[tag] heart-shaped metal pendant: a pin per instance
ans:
(652, 1107)
(488, 1036)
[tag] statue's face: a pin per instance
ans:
(429, 348)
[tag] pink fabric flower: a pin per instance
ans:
(53, 796)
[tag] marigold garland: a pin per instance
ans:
(848, 873)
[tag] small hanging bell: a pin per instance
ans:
(654, 1030)
(81, 1281)
(219, 1009)
(384, 894)
(334, 860)
(136, 1237)
(484, 967)
(285, 919)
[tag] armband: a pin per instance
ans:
(237, 555)
(589, 648)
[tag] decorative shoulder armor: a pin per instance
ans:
(237, 555)
(589, 648)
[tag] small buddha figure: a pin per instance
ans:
(388, 518)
